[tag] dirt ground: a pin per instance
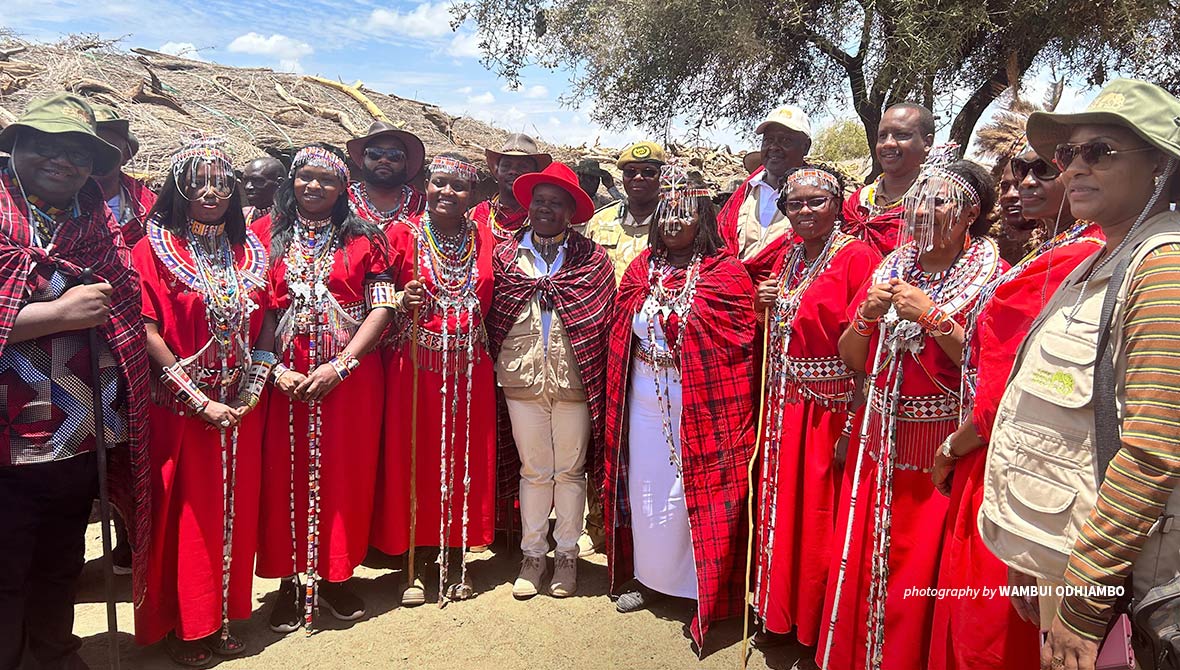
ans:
(492, 631)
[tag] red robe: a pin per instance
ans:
(760, 265)
(504, 224)
(800, 481)
(929, 383)
(716, 431)
(391, 515)
(879, 228)
(184, 573)
(986, 633)
(349, 441)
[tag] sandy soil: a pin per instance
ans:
(491, 631)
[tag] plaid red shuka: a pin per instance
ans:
(142, 199)
(93, 240)
(582, 294)
(718, 377)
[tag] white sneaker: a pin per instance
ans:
(528, 584)
(565, 577)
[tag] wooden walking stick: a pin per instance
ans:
(750, 491)
(104, 500)
(410, 570)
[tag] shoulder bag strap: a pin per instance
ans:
(1106, 412)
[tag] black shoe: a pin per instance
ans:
(340, 601)
(765, 639)
(638, 598)
(121, 560)
(286, 616)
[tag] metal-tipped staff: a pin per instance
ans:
(750, 491)
(104, 500)
(410, 570)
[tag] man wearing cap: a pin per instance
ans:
(260, 180)
(751, 223)
(621, 228)
(130, 200)
(591, 176)
(388, 158)
(64, 269)
(502, 214)
(875, 213)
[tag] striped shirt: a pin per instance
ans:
(1147, 467)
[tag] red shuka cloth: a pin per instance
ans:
(762, 263)
(986, 633)
(391, 514)
(349, 440)
(791, 584)
(184, 572)
(142, 201)
(917, 509)
(506, 222)
(716, 431)
(881, 230)
(92, 241)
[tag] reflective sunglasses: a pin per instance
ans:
(795, 206)
(50, 149)
(1040, 168)
(392, 155)
(1093, 153)
(649, 172)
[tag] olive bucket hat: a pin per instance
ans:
(64, 113)
(1146, 109)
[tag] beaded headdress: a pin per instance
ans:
(455, 166)
(316, 156)
(198, 152)
(678, 197)
(814, 177)
(936, 182)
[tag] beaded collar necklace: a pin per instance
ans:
(381, 217)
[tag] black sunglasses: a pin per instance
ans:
(647, 172)
(50, 149)
(1040, 168)
(1092, 153)
(377, 153)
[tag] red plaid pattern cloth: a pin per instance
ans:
(142, 199)
(717, 433)
(582, 293)
(93, 241)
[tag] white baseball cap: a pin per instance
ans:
(790, 117)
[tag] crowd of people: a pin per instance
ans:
(852, 415)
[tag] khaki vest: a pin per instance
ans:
(752, 237)
(1040, 484)
(526, 368)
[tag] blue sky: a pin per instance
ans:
(404, 48)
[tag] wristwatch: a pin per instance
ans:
(945, 448)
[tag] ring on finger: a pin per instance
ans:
(225, 423)
(1057, 663)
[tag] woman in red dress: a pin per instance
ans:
(907, 335)
(975, 632)
(445, 265)
(808, 407)
(330, 300)
(203, 275)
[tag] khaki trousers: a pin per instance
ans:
(552, 438)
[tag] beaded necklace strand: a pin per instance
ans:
(678, 303)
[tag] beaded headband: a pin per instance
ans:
(199, 150)
(812, 177)
(320, 157)
(957, 180)
(455, 166)
(203, 148)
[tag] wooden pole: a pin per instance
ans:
(413, 428)
(750, 492)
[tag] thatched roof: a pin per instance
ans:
(259, 111)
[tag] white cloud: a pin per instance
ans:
(426, 20)
(285, 50)
(466, 90)
(182, 49)
(536, 92)
(485, 98)
(464, 45)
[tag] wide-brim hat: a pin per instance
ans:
(64, 113)
(1143, 108)
(108, 117)
(518, 144)
(415, 150)
(560, 175)
(752, 161)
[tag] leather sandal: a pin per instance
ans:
(191, 654)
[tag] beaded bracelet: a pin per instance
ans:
(176, 380)
(862, 327)
(934, 321)
(261, 363)
(847, 432)
(344, 363)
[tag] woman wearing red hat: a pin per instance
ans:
(547, 332)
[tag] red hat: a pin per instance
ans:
(560, 175)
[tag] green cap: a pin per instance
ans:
(642, 152)
(1146, 109)
(109, 118)
(64, 113)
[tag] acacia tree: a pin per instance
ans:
(646, 62)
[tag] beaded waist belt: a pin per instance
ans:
(818, 369)
(656, 358)
(428, 339)
(920, 408)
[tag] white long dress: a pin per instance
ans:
(659, 515)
